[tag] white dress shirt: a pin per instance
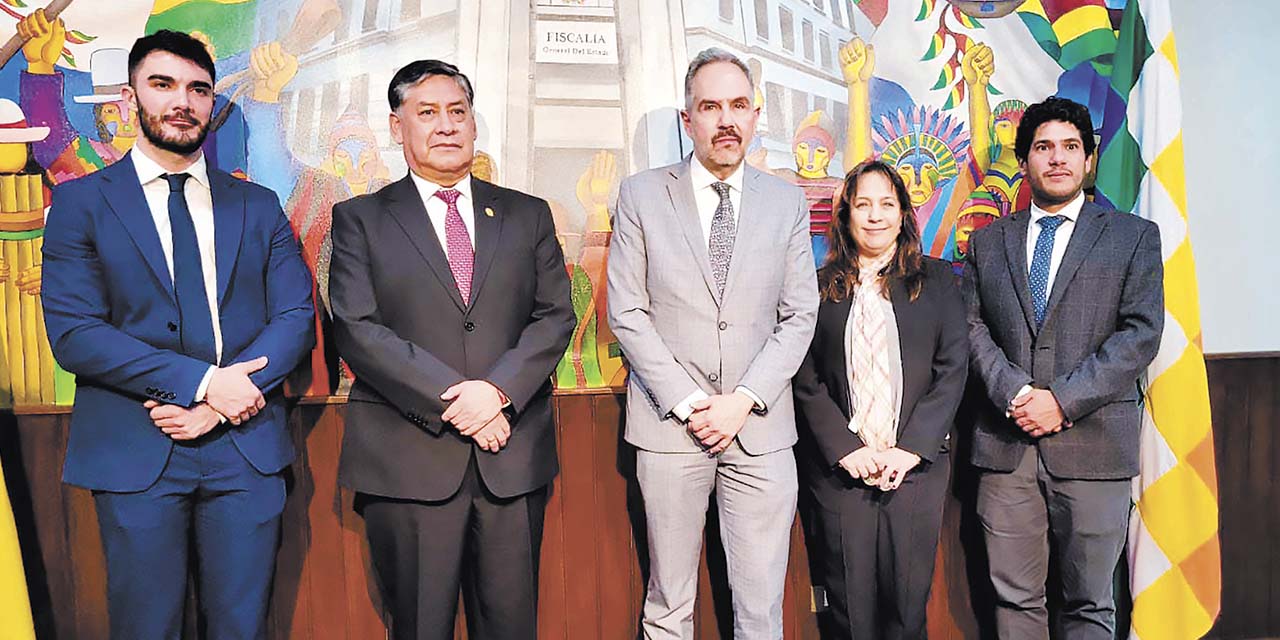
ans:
(200, 204)
(707, 200)
(437, 208)
(1060, 239)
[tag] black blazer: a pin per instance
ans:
(401, 324)
(935, 357)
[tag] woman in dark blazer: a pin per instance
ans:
(877, 395)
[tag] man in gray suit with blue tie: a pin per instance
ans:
(1065, 308)
(713, 297)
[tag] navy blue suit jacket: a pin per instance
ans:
(112, 319)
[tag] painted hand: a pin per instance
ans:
(978, 65)
(44, 41)
(857, 61)
(272, 68)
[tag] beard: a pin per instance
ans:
(153, 128)
(1044, 194)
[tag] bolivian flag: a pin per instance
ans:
(228, 24)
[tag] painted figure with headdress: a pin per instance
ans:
(813, 147)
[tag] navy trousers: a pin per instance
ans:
(209, 500)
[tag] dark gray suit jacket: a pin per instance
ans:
(1101, 329)
(400, 323)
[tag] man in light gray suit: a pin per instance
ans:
(1065, 308)
(713, 297)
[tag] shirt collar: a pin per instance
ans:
(427, 189)
(149, 169)
(1071, 211)
(702, 178)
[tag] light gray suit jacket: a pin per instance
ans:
(678, 336)
(1101, 329)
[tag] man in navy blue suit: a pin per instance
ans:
(177, 295)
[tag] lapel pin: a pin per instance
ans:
(488, 211)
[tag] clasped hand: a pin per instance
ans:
(716, 421)
(884, 470)
(1038, 413)
(475, 410)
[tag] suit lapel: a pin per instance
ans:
(124, 195)
(680, 189)
(228, 225)
(833, 317)
(488, 232)
(410, 213)
(908, 319)
(1089, 226)
(748, 225)
(1015, 245)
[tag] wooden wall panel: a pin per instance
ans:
(593, 556)
(1245, 395)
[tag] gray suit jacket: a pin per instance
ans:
(1101, 329)
(677, 336)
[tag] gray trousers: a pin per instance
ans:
(756, 501)
(1087, 520)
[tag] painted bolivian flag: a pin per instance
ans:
(228, 24)
(15, 607)
(1072, 31)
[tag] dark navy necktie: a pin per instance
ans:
(1041, 261)
(188, 277)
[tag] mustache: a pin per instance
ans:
(183, 118)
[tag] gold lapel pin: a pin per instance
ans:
(488, 211)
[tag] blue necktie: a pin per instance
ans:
(1041, 260)
(188, 277)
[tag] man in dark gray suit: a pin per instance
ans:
(1065, 308)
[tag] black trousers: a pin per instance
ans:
(489, 546)
(878, 552)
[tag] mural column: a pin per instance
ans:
(653, 60)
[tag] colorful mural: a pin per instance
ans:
(571, 95)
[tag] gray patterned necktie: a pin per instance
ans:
(723, 230)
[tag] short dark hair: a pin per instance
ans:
(176, 42)
(419, 70)
(1053, 109)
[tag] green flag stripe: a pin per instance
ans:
(1099, 44)
(1120, 169)
(1042, 31)
(1132, 50)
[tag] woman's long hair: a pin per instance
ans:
(838, 276)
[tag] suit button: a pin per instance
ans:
(171, 395)
(151, 391)
(173, 326)
(713, 377)
(723, 325)
(469, 326)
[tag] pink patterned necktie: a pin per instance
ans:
(458, 244)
